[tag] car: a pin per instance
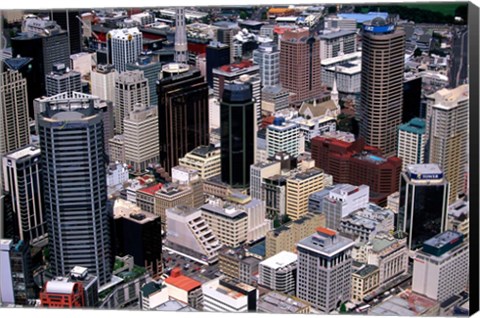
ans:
(170, 252)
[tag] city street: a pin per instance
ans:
(459, 64)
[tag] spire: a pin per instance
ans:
(334, 92)
(180, 36)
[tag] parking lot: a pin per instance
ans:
(188, 266)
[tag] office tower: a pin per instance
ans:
(324, 270)
(258, 172)
(279, 272)
(300, 65)
(383, 49)
(183, 223)
(180, 36)
(15, 128)
(138, 233)
(72, 147)
(229, 224)
(283, 136)
(69, 21)
(103, 82)
(278, 303)
(131, 88)
(151, 70)
(267, 56)
(255, 83)
(299, 187)
(204, 159)
(29, 70)
(16, 280)
(285, 237)
(342, 200)
(412, 99)
(411, 142)
(182, 113)
(124, 46)
(60, 293)
(440, 268)
(235, 263)
(365, 280)
(351, 162)
(274, 188)
(217, 54)
(226, 33)
(229, 295)
(184, 289)
(338, 43)
(22, 174)
(116, 149)
(61, 79)
(424, 193)
(51, 46)
(141, 137)
(447, 132)
(237, 134)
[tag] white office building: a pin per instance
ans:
(125, 46)
(279, 272)
(228, 295)
(411, 142)
(283, 136)
(103, 82)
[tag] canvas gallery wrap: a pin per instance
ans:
(314, 158)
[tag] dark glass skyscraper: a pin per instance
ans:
(68, 21)
(74, 179)
(237, 125)
(182, 112)
(217, 54)
(423, 203)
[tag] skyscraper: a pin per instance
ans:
(29, 71)
(14, 128)
(217, 54)
(383, 49)
(448, 134)
(267, 56)
(300, 65)
(182, 112)
(62, 80)
(411, 142)
(124, 46)
(180, 36)
(73, 157)
(151, 70)
(69, 22)
(282, 136)
(299, 187)
(237, 134)
(423, 206)
(131, 88)
(103, 82)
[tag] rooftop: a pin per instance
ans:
(449, 98)
(308, 174)
(415, 126)
(173, 305)
(326, 242)
(404, 304)
(427, 171)
(275, 302)
(27, 151)
(181, 281)
(151, 288)
(152, 189)
(338, 34)
(280, 260)
(366, 270)
(228, 212)
(442, 243)
(203, 151)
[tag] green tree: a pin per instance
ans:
(343, 308)
(417, 52)
(243, 15)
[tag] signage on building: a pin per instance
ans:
(426, 176)
(379, 29)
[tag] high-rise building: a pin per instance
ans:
(204, 159)
(447, 132)
(61, 79)
(283, 136)
(124, 46)
(440, 268)
(22, 175)
(423, 206)
(15, 130)
(237, 135)
(324, 270)
(279, 272)
(267, 56)
(274, 189)
(180, 36)
(73, 156)
(300, 65)
(103, 82)
(338, 43)
(151, 70)
(299, 187)
(217, 54)
(131, 88)
(383, 49)
(226, 33)
(412, 98)
(182, 112)
(411, 142)
(29, 70)
(141, 137)
(69, 21)
(258, 172)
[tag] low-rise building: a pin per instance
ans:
(204, 159)
(227, 222)
(146, 197)
(278, 273)
(364, 281)
(458, 219)
(229, 295)
(184, 289)
(278, 303)
(235, 263)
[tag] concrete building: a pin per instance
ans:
(364, 281)
(116, 149)
(184, 289)
(411, 142)
(324, 270)
(82, 63)
(267, 56)
(15, 129)
(235, 263)
(345, 69)
(103, 82)
(151, 70)
(283, 136)
(381, 84)
(337, 22)
(152, 295)
(310, 128)
(458, 217)
(441, 267)
(190, 235)
(172, 195)
(62, 79)
(447, 131)
(335, 44)
(278, 303)
(146, 197)
(22, 175)
(258, 172)
(141, 137)
(117, 175)
(274, 98)
(274, 189)
(407, 304)
(229, 295)
(423, 206)
(279, 273)
(131, 88)
(299, 187)
(124, 46)
(205, 159)
(285, 237)
(217, 54)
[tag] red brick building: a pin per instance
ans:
(357, 163)
(62, 294)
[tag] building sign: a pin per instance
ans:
(379, 29)
(426, 176)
